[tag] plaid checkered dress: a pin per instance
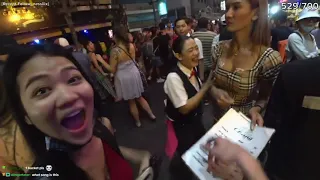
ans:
(243, 85)
(105, 85)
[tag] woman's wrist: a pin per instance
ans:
(213, 89)
(257, 108)
(242, 157)
(206, 87)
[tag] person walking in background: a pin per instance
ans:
(99, 68)
(154, 55)
(224, 34)
(302, 44)
(146, 39)
(163, 42)
(206, 38)
(281, 31)
(127, 79)
(316, 34)
(169, 29)
(138, 42)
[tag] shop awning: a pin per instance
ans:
(44, 34)
(90, 26)
(49, 33)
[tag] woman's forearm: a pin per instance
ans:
(98, 67)
(251, 167)
(264, 93)
(194, 102)
(105, 65)
(108, 67)
(133, 155)
(213, 89)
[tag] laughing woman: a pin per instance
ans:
(53, 104)
(184, 104)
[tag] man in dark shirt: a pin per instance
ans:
(281, 31)
(294, 111)
(163, 42)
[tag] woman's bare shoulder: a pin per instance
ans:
(132, 47)
(225, 43)
(115, 52)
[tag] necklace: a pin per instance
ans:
(245, 51)
(107, 173)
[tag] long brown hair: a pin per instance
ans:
(260, 34)
(121, 33)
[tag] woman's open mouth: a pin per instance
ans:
(75, 122)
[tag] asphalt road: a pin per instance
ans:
(152, 135)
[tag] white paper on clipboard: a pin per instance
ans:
(235, 127)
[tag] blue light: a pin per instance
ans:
(85, 31)
(163, 8)
(274, 9)
(37, 41)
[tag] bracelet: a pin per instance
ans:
(257, 105)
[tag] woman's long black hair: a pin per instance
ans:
(60, 161)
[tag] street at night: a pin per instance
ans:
(151, 136)
(211, 89)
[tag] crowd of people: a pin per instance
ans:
(54, 106)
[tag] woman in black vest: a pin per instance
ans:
(184, 104)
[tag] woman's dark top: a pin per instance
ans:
(118, 167)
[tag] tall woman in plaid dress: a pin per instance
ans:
(106, 88)
(245, 66)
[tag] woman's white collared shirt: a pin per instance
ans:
(174, 88)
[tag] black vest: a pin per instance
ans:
(173, 113)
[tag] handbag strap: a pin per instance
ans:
(129, 56)
(154, 51)
(101, 131)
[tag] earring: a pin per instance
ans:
(254, 18)
(47, 141)
(28, 121)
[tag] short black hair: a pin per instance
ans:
(203, 22)
(178, 44)
(189, 21)
(162, 26)
(280, 16)
(153, 31)
(185, 19)
(146, 30)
